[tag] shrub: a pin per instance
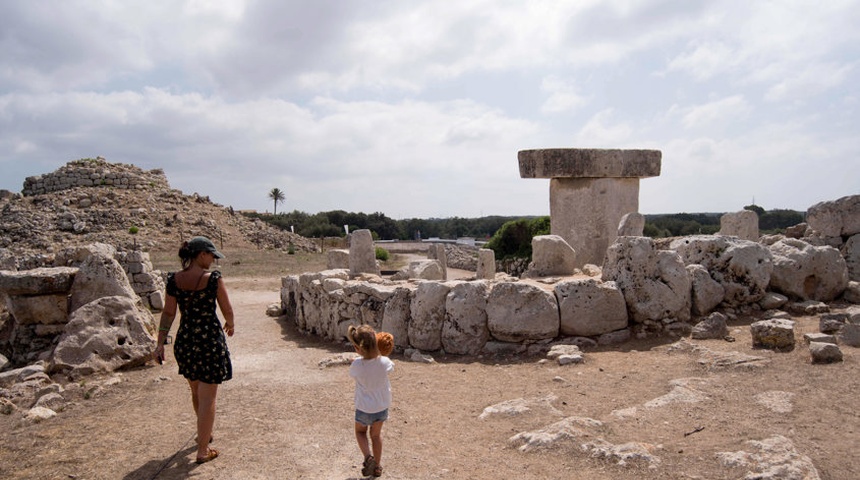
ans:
(382, 254)
(514, 238)
(133, 230)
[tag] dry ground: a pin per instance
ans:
(284, 417)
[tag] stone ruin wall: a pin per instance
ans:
(32, 339)
(644, 288)
(93, 173)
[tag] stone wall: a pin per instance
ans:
(93, 173)
(644, 288)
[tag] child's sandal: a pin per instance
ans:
(369, 466)
(377, 472)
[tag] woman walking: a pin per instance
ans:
(200, 347)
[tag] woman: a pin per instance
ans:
(200, 347)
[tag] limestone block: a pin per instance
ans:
(397, 315)
(832, 322)
(712, 327)
(428, 315)
(706, 292)
(50, 309)
(742, 267)
(551, 255)
(99, 276)
(465, 331)
(76, 255)
(851, 253)
(655, 283)
(838, 218)
(38, 281)
(518, 311)
(775, 334)
(743, 224)
(362, 253)
(819, 337)
(850, 335)
(105, 335)
(631, 225)
(852, 292)
(486, 264)
(589, 307)
(803, 271)
(422, 270)
(442, 257)
(337, 258)
(586, 212)
(588, 163)
(772, 300)
(824, 352)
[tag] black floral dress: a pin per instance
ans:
(200, 348)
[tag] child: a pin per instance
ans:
(372, 395)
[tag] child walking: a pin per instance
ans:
(372, 396)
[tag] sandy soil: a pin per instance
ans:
(283, 416)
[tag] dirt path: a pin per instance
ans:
(284, 417)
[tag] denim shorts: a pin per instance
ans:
(370, 418)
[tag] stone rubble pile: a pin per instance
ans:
(92, 200)
(81, 318)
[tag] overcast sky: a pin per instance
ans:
(417, 109)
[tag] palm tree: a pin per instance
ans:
(277, 195)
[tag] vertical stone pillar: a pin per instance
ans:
(486, 264)
(362, 254)
(442, 257)
(590, 191)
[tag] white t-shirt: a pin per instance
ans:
(372, 388)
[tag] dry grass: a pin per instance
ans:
(264, 263)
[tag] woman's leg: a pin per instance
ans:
(376, 440)
(206, 393)
(194, 400)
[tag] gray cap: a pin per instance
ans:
(203, 244)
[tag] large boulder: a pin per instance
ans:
(551, 255)
(838, 218)
(851, 253)
(37, 296)
(465, 329)
(99, 275)
(655, 283)
(428, 315)
(706, 292)
(588, 307)
(807, 272)
(397, 315)
(743, 224)
(520, 311)
(742, 267)
(105, 335)
(631, 225)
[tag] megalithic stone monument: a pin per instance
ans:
(589, 191)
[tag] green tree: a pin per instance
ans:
(277, 195)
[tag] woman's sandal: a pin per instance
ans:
(211, 454)
(369, 466)
(377, 472)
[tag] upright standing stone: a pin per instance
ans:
(486, 264)
(362, 255)
(442, 257)
(743, 224)
(590, 191)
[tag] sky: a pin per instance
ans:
(417, 109)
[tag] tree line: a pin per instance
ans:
(331, 224)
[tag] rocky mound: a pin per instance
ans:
(92, 200)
